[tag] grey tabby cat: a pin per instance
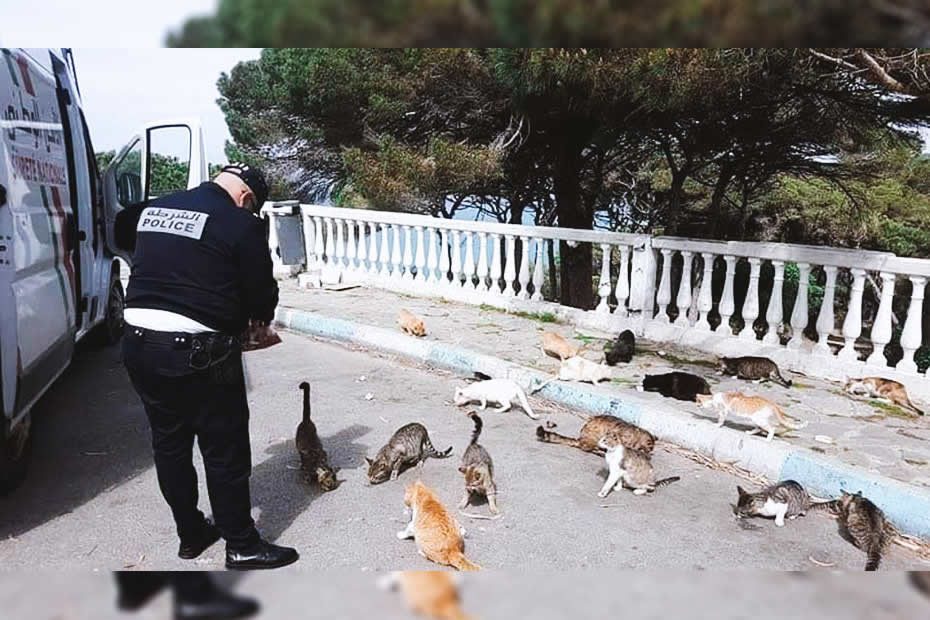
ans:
(785, 499)
(753, 368)
(410, 445)
(478, 469)
(313, 459)
(866, 525)
(629, 467)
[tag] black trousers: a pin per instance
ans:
(210, 404)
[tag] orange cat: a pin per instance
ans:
(410, 324)
(765, 414)
(556, 346)
(429, 593)
(438, 535)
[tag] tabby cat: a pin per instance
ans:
(753, 368)
(629, 466)
(597, 428)
(785, 499)
(433, 594)
(408, 446)
(621, 349)
(313, 459)
(677, 385)
(866, 525)
(478, 469)
(438, 535)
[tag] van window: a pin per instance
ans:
(129, 176)
(94, 176)
(170, 153)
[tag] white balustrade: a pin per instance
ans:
(516, 266)
(852, 324)
(384, 254)
(443, 274)
(622, 291)
(408, 253)
(881, 328)
(664, 297)
(911, 333)
(396, 257)
(775, 312)
(727, 302)
(351, 248)
(482, 272)
(826, 320)
(524, 276)
(496, 265)
(604, 286)
(510, 271)
(458, 272)
(750, 309)
(471, 266)
(683, 301)
(538, 270)
(799, 315)
(421, 275)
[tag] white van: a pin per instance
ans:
(59, 277)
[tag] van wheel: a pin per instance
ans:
(15, 450)
(113, 323)
(110, 330)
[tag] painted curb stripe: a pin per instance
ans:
(907, 506)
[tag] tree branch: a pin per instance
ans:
(883, 76)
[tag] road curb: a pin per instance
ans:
(907, 506)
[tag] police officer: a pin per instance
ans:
(201, 276)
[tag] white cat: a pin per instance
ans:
(502, 391)
(581, 369)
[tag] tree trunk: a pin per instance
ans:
(716, 199)
(516, 217)
(673, 213)
(575, 269)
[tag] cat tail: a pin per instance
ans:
(433, 452)
(786, 421)
(874, 553)
(535, 388)
(306, 390)
(913, 406)
(832, 506)
(478, 424)
(550, 437)
(457, 560)
(525, 404)
(667, 481)
(781, 380)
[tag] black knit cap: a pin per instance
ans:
(252, 177)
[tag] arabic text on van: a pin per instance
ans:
(37, 170)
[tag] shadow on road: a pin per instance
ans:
(85, 442)
(281, 504)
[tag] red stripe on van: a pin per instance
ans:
(65, 235)
(24, 70)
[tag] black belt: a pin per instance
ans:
(207, 348)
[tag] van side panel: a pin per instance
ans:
(37, 293)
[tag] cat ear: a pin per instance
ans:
(463, 469)
(741, 491)
(370, 462)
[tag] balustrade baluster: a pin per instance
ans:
(683, 301)
(538, 271)
(775, 312)
(604, 286)
(911, 333)
(799, 316)
(750, 309)
(727, 306)
(510, 271)
(664, 297)
(483, 263)
(826, 320)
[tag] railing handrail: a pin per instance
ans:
(516, 230)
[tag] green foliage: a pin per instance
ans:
(513, 23)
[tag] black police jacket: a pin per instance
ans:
(197, 254)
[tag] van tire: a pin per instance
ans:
(15, 454)
(110, 330)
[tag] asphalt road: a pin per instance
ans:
(645, 595)
(91, 499)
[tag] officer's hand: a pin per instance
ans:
(260, 336)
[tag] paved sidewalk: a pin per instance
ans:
(883, 439)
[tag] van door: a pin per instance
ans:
(162, 158)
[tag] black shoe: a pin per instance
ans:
(218, 605)
(134, 593)
(260, 555)
(193, 548)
